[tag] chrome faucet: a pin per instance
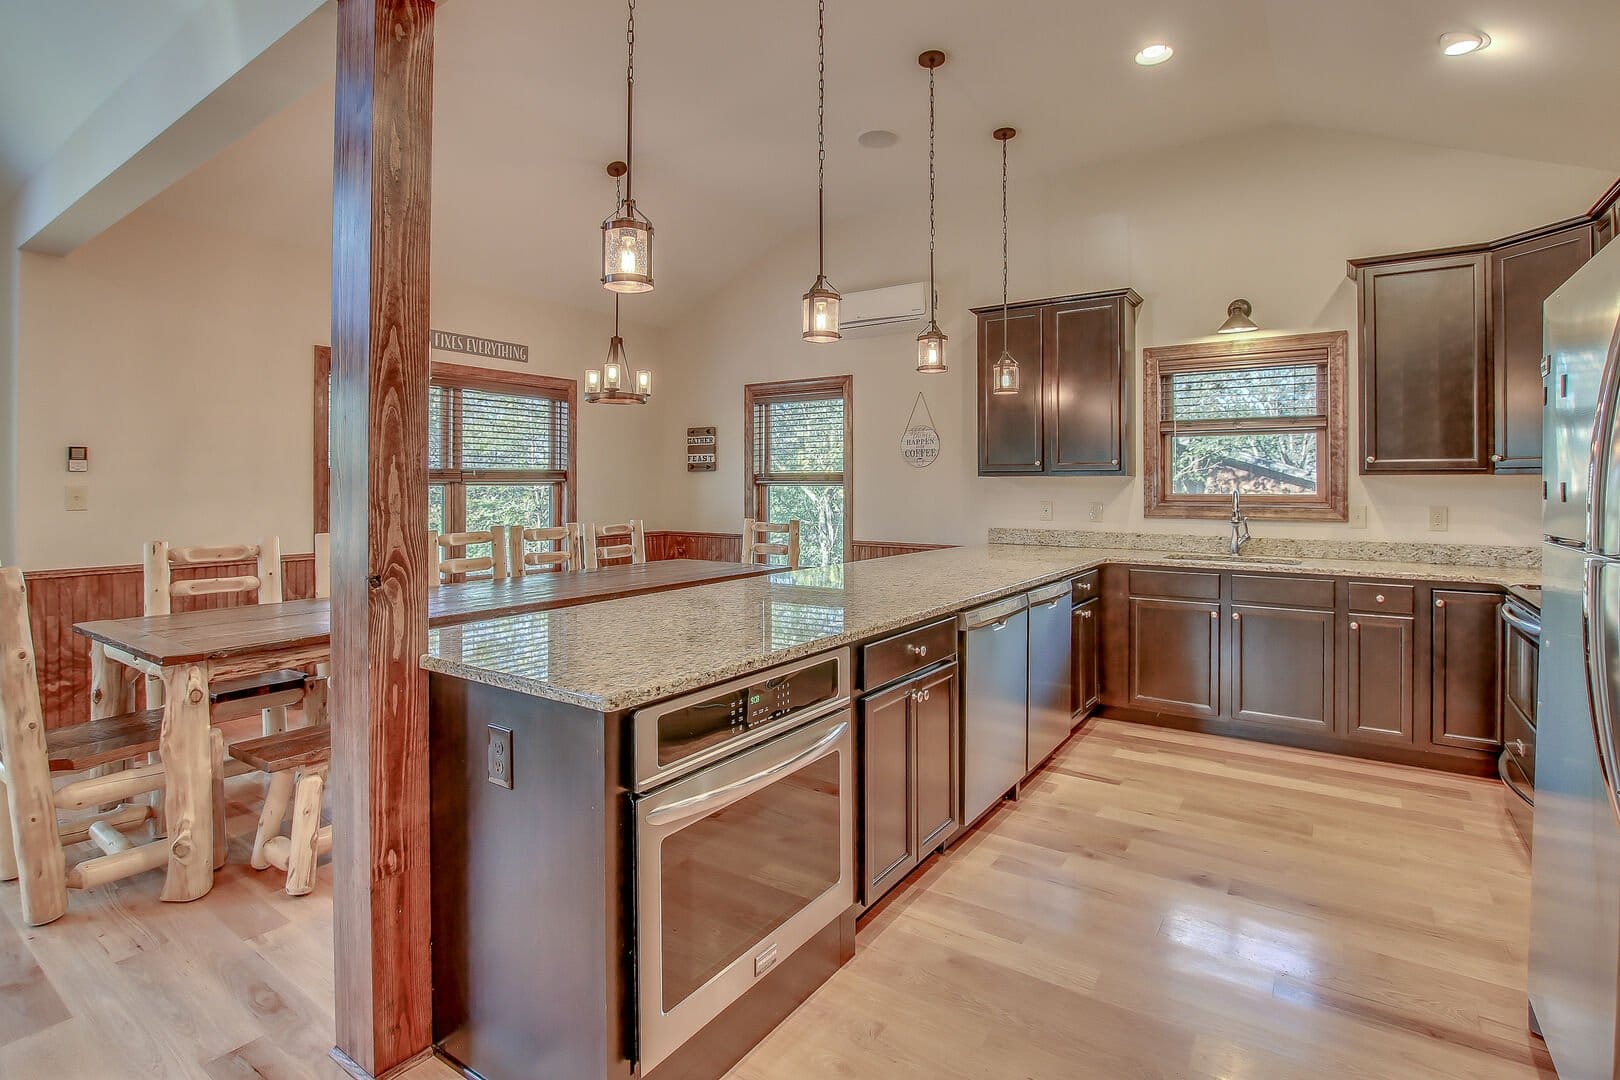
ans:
(1240, 524)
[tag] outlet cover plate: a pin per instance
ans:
(76, 497)
(1046, 509)
(500, 756)
(1094, 512)
(1358, 517)
(1439, 518)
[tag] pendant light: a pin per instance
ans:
(821, 302)
(1004, 375)
(1237, 319)
(627, 233)
(931, 342)
(605, 386)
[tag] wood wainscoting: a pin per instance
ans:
(59, 598)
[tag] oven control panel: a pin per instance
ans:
(693, 727)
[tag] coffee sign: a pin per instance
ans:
(920, 446)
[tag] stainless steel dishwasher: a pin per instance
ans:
(995, 702)
(1051, 670)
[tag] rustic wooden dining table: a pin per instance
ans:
(186, 652)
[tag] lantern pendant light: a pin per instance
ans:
(605, 386)
(1004, 374)
(931, 342)
(821, 302)
(627, 233)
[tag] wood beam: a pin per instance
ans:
(380, 192)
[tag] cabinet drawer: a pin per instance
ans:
(1376, 598)
(1519, 736)
(882, 662)
(1299, 592)
(1088, 586)
(1176, 584)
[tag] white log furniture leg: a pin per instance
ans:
(271, 816)
(8, 848)
(189, 783)
(42, 878)
(304, 851)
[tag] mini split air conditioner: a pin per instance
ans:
(880, 311)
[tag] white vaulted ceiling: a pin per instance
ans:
(529, 106)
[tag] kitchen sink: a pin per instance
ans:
(1237, 560)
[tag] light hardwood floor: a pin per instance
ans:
(1159, 904)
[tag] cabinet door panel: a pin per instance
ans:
(1175, 657)
(1087, 660)
(1425, 366)
(1382, 652)
(1086, 351)
(1282, 667)
(1011, 434)
(934, 750)
(887, 791)
(1522, 277)
(1465, 673)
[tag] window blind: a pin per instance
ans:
(1287, 391)
(481, 434)
(799, 437)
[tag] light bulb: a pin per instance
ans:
(610, 376)
(593, 381)
(821, 315)
(627, 254)
(643, 382)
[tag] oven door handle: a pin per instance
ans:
(1511, 616)
(697, 805)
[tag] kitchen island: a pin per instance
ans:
(555, 929)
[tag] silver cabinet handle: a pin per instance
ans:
(917, 650)
(1496, 457)
(999, 624)
(1214, 614)
(1236, 617)
(1379, 598)
(1085, 586)
(1085, 614)
(1371, 459)
(1518, 745)
(1439, 603)
(1355, 626)
(694, 805)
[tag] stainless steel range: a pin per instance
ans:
(744, 825)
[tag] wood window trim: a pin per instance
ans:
(826, 386)
(1329, 349)
(457, 375)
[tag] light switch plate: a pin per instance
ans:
(1358, 517)
(1046, 509)
(76, 497)
(1439, 518)
(500, 756)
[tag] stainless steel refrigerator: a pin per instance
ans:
(1575, 868)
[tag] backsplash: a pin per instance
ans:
(1500, 555)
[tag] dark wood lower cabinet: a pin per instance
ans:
(909, 776)
(1381, 657)
(1086, 641)
(1282, 667)
(1465, 670)
(1175, 659)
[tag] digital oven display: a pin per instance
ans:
(696, 727)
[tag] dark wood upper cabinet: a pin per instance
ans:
(1465, 670)
(1071, 414)
(1523, 275)
(1426, 391)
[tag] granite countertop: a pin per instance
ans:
(623, 653)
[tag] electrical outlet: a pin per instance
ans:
(1358, 517)
(1094, 512)
(500, 756)
(76, 497)
(1046, 509)
(1439, 518)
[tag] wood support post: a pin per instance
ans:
(380, 559)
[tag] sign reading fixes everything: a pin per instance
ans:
(477, 346)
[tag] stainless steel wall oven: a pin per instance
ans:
(744, 824)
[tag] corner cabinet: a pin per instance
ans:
(1071, 414)
(1451, 351)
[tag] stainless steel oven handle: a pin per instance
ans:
(696, 805)
(1520, 623)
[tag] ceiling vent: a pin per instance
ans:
(878, 311)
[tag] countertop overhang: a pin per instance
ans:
(620, 654)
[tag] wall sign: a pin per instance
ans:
(919, 443)
(477, 346)
(700, 449)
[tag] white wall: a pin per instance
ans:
(9, 275)
(182, 357)
(1271, 216)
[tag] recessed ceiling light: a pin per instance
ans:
(877, 139)
(1463, 42)
(1157, 53)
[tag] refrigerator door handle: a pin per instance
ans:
(1600, 636)
(1603, 459)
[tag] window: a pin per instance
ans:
(1262, 417)
(500, 448)
(799, 436)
